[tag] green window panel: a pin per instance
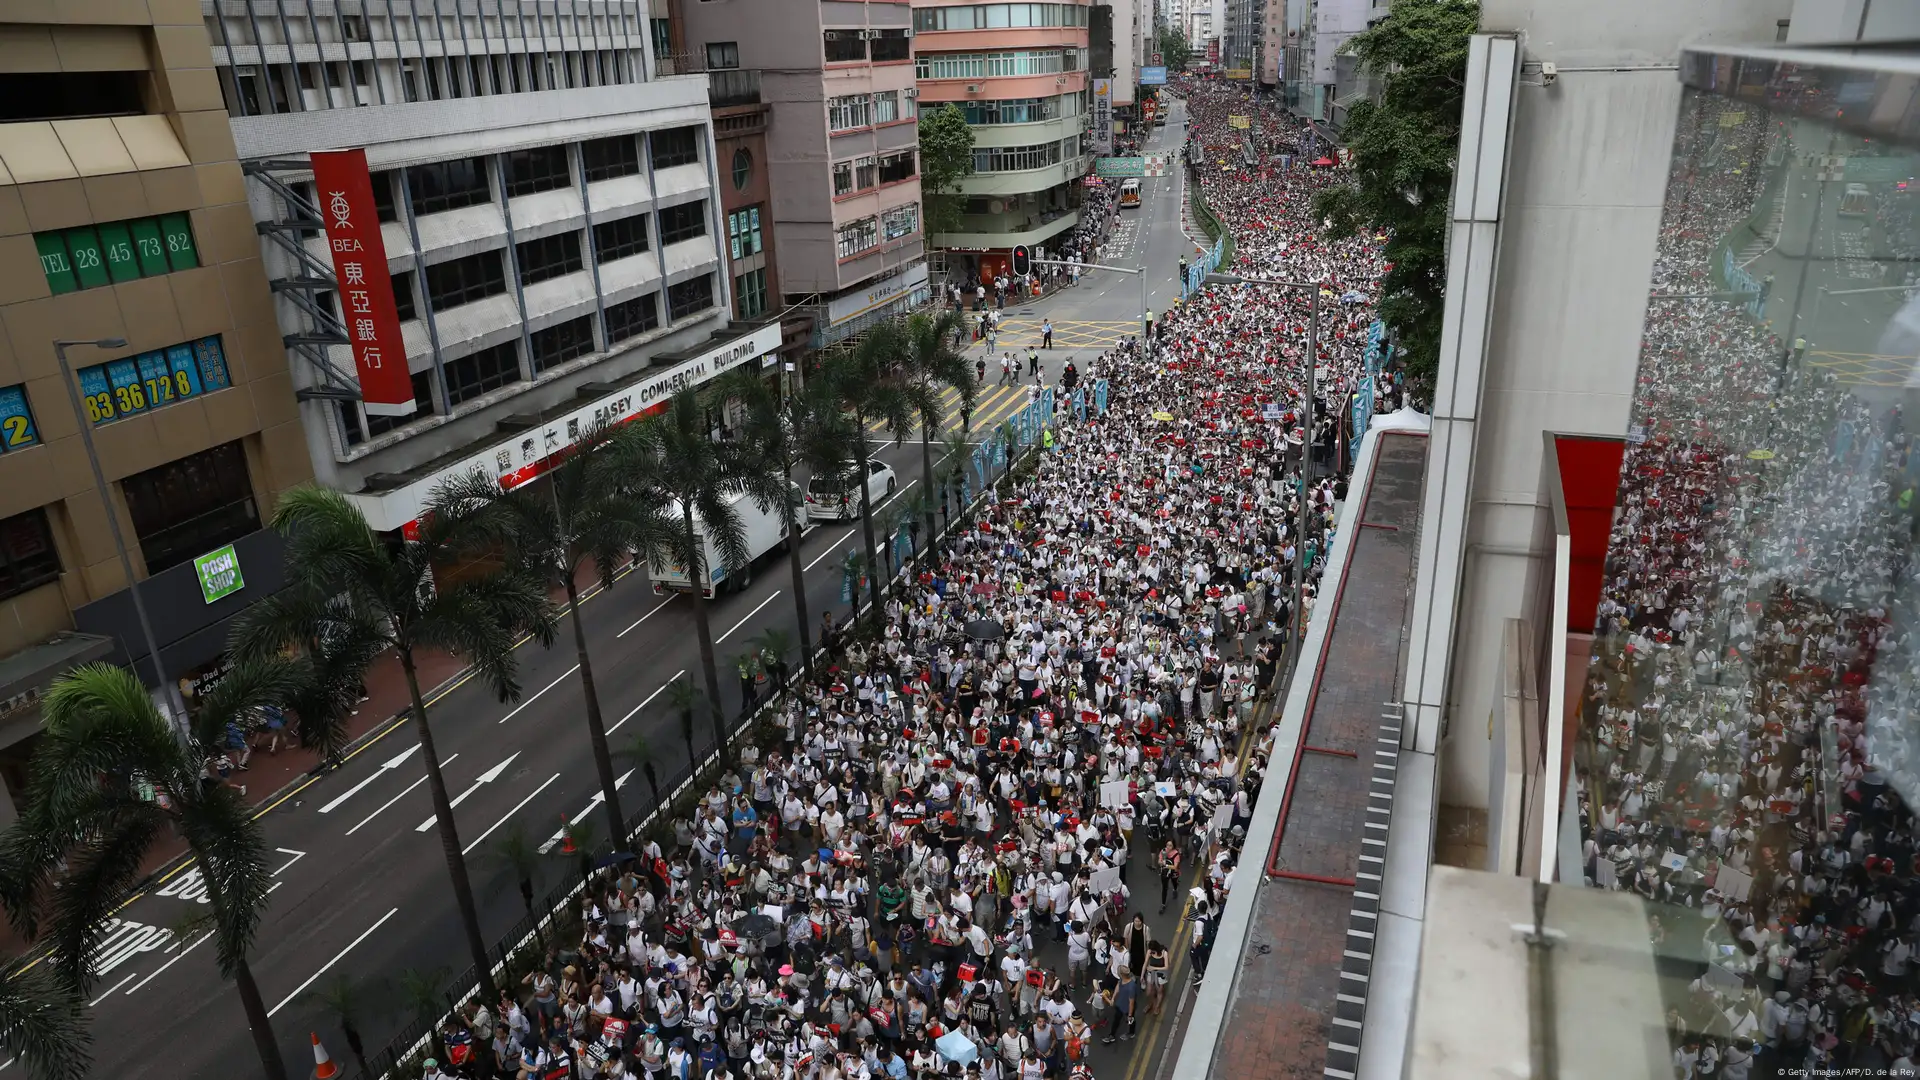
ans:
(149, 247)
(179, 237)
(116, 246)
(55, 262)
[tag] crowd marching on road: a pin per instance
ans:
(938, 864)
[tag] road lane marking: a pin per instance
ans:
(649, 701)
(831, 548)
(503, 818)
(598, 798)
(170, 963)
(397, 798)
(544, 689)
(391, 763)
(130, 977)
(645, 617)
(748, 615)
(298, 990)
(487, 777)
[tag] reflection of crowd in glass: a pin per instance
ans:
(1749, 701)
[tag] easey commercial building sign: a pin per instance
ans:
(521, 457)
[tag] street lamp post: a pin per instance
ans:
(1306, 445)
(174, 703)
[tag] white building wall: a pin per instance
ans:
(1587, 176)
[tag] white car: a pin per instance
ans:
(829, 498)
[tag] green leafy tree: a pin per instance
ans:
(588, 511)
(804, 428)
(1175, 52)
(681, 464)
(343, 578)
(932, 367)
(1403, 150)
(43, 1023)
(109, 782)
(946, 158)
(868, 382)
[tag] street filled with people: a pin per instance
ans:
(940, 860)
(1748, 708)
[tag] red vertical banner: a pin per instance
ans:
(345, 192)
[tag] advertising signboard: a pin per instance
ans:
(1103, 116)
(1153, 76)
(1238, 73)
(1120, 166)
(219, 572)
(345, 193)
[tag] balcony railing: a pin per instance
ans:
(725, 86)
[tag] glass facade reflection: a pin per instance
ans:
(1748, 750)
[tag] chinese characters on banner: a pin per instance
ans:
(1103, 116)
(345, 193)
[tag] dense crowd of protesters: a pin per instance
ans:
(1748, 708)
(941, 865)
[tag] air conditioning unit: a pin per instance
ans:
(973, 88)
(908, 32)
(869, 35)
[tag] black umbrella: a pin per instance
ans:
(756, 925)
(986, 630)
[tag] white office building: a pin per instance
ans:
(549, 209)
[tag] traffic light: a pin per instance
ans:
(1022, 260)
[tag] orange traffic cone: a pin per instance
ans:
(566, 838)
(323, 1066)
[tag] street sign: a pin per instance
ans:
(1153, 76)
(1155, 165)
(1120, 166)
(219, 572)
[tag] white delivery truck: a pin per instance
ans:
(764, 530)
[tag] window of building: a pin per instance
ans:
(743, 232)
(689, 297)
(722, 55)
(462, 281)
(448, 185)
(750, 294)
(989, 65)
(886, 106)
(477, 373)
(28, 558)
(604, 159)
(845, 46)
(357, 433)
(619, 239)
(548, 257)
(384, 207)
(1018, 158)
(866, 173)
(153, 380)
(849, 113)
(631, 318)
(1012, 110)
(896, 167)
(17, 431)
(94, 255)
(403, 301)
(909, 99)
(675, 146)
(742, 168)
(542, 168)
(994, 16)
(62, 95)
(683, 222)
(892, 45)
(900, 221)
(853, 238)
(842, 178)
(191, 506)
(562, 342)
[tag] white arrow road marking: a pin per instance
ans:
(336, 959)
(297, 856)
(536, 697)
(503, 818)
(645, 617)
(487, 777)
(183, 952)
(748, 615)
(397, 798)
(393, 762)
(649, 701)
(598, 798)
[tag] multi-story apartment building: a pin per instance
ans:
(549, 207)
(842, 147)
(123, 215)
(1273, 43)
(1240, 34)
(1019, 73)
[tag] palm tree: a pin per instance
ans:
(111, 781)
(344, 999)
(773, 644)
(805, 427)
(341, 574)
(866, 381)
(590, 510)
(638, 750)
(515, 857)
(956, 455)
(43, 1023)
(677, 461)
(684, 700)
(931, 367)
